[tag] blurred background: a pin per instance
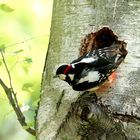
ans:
(24, 35)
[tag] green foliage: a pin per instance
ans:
(18, 51)
(2, 47)
(23, 35)
(28, 60)
(0, 62)
(27, 87)
(35, 103)
(4, 7)
(28, 126)
(25, 67)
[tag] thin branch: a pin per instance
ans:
(3, 59)
(10, 79)
(28, 39)
(17, 60)
(13, 99)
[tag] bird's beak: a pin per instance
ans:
(56, 76)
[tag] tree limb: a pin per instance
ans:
(11, 95)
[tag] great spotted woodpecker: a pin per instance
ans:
(91, 70)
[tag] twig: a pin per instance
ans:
(3, 59)
(10, 79)
(28, 39)
(13, 100)
(17, 60)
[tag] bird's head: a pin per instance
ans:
(62, 72)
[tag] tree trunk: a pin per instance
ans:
(120, 106)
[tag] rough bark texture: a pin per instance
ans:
(70, 23)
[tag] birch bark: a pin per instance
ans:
(71, 21)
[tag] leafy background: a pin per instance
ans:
(24, 34)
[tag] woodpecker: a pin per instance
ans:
(91, 70)
(88, 72)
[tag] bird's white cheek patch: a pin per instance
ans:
(92, 76)
(71, 76)
(62, 76)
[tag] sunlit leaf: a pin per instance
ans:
(28, 60)
(2, 47)
(29, 125)
(19, 51)
(26, 127)
(26, 64)
(35, 103)
(4, 7)
(27, 87)
(25, 68)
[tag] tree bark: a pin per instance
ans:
(71, 21)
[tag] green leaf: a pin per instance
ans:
(35, 103)
(28, 60)
(2, 47)
(26, 127)
(19, 51)
(27, 87)
(29, 125)
(25, 68)
(6, 8)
